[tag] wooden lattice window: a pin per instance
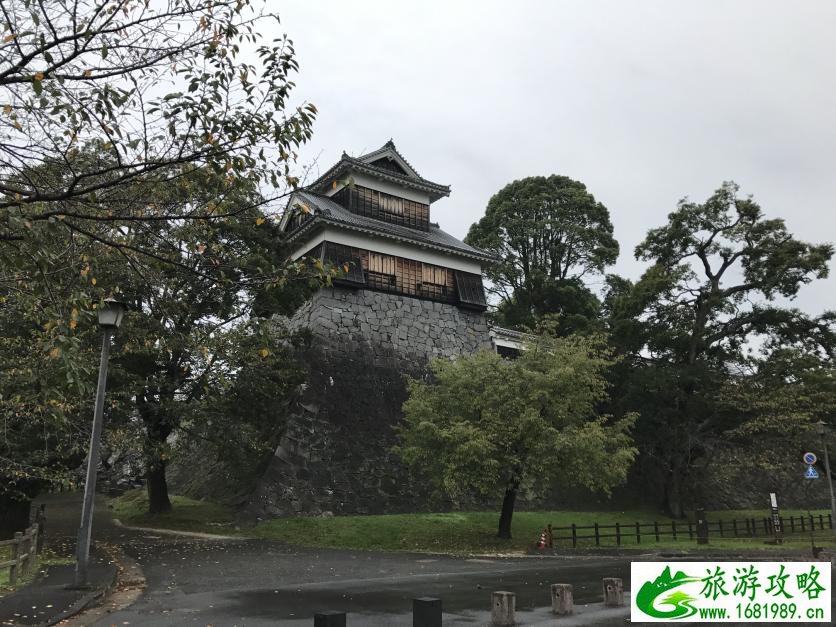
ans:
(471, 291)
(382, 206)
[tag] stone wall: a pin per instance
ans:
(390, 325)
(335, 455)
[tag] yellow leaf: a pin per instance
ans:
(55, 353)
(39, 76)
(73, 324)
(74, 313)
(264, 352)
(259, 221)
(88, 72)
(345, 268)
(93, 280)
(304, 208)
(8, 38)
(7, 108)
(334, 185)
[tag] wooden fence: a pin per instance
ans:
(636, 533)
(25, 547)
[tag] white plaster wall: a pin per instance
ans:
(388, 246)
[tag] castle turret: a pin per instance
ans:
(409, 292)
(372, 215)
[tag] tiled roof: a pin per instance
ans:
(325, 210)
(360, 164)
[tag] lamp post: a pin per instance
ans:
(110, 317)
(822, 430)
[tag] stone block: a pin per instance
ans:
(562, 599)
(426, 612)
(613, 592)
(329, 619)
(503, 605)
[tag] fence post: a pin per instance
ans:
(702, 526)
(33, 547)
(597, 536)
(617, 534)
(766, 526)
(574, 536)
(13, 570)
(812, 523)
(734, 526)
(40, 520)
(754, 528)
(656, 529)
(821, 522)
(720, 527)
(26, 558)
(638, 534)
(673, 529)
(830, 520)
(803, 528)
(792, 524)
(690, 531)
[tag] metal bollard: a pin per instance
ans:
(503, 605)
(563, 603)
(426, 612)
(329, 619)
(613, 592)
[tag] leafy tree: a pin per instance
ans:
(549, 234)
(192, 317)
(687, 323)
(47, 347)
(156, 88)
(485, 425)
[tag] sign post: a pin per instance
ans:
(777, 529)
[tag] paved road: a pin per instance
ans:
(257, 582)
(260, 583)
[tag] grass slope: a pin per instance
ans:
(453, 532)
(186, 514)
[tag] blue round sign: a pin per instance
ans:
(810, 458)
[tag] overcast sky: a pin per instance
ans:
(644, 102)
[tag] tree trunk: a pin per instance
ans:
(14, 516)
(507, 513)
(673, 495)
(157, 486)
(157, 430)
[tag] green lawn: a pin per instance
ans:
(454, 532)
(5, 554)
(46, 558)
(186, 514)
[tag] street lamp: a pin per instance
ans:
(822, 431)
(110, 317)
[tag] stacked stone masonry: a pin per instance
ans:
(336, 454)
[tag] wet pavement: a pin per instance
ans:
(261, 583)
(193, 581)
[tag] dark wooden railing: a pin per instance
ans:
(655, 531)
(24, 553)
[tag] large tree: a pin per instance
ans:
(485, 426)
(717, 268)
(549, 234)
(156, 87)
(192, 319)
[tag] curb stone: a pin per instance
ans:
(175, 532)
